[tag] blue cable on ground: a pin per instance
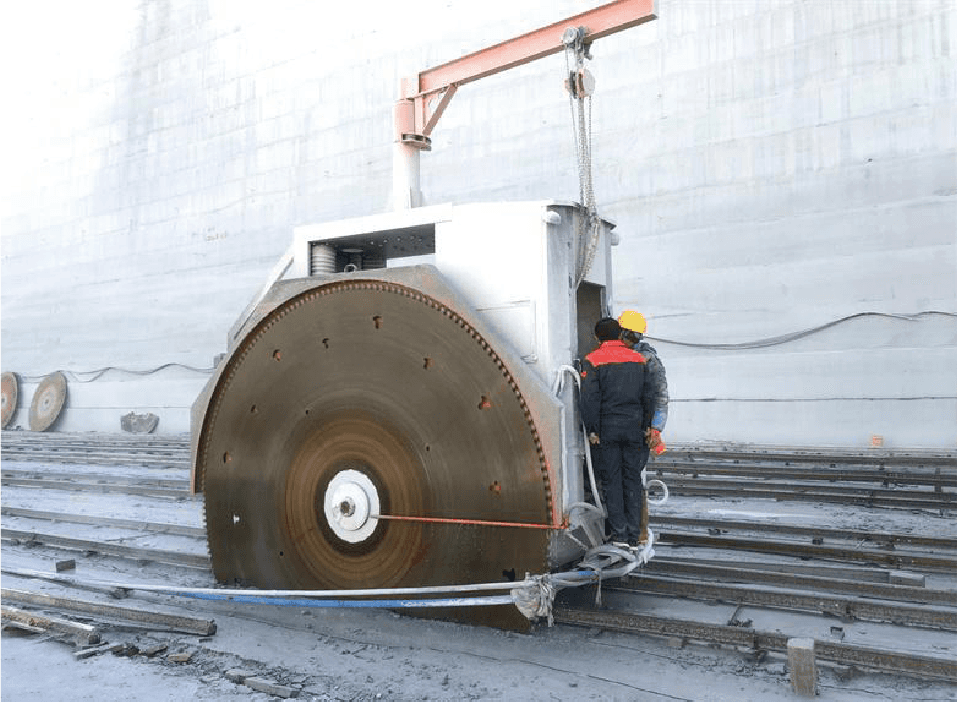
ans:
(300, 602)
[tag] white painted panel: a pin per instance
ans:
(871, 373)
(921, 423)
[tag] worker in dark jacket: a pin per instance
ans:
(633, 327)
(614, 396)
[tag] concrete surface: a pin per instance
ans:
(772, 167)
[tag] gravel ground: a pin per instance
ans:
(326, 654)
(381, 656)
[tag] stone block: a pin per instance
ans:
(239, 676)
(270, 688)
(802, 666)
(139, 423)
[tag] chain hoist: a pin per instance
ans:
(580, 85)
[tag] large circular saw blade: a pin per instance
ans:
(366, 398)
(48, 401)
(8, 397)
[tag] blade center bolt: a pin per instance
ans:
(350, 506)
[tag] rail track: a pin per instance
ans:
(830, 456)
(937, 476)
(760, 642)
(822, 551)
(905, 480)
(861, 497)
(176, 489)
(896, 607)
(735, 573)
(97, 449)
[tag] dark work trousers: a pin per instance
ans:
(645, 455)
(619, 467)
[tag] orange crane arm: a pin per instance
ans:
(415, 117)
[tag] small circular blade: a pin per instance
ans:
(47, 402)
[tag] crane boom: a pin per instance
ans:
(424, 97)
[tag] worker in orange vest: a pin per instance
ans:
(615, 396)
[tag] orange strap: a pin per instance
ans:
(479, 522)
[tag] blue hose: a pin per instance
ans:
(300, 602)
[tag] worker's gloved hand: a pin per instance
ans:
(593, 439)
(653, 439)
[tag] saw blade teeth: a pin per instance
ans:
(277, 322)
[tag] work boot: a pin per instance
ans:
(645, 517)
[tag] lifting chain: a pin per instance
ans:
(580, 86)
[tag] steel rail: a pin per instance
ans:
(820, 455)
(50, 442)
(82, 436)
(87, 458)
(100, 478)
(928, 478)
(805, 566)
(170, 493)
(807, 486)
(96, 450)
(156, 527)
(878, 537)
(178, 558)
(63, 580)
(93, 445)
(933, 500)
(730, 573)
(784, 548)
(869, 610)
(822, 463)
(845, 654)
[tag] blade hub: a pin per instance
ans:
(350, 501)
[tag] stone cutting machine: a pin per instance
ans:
(398, 405)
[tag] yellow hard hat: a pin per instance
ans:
(634, 321)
